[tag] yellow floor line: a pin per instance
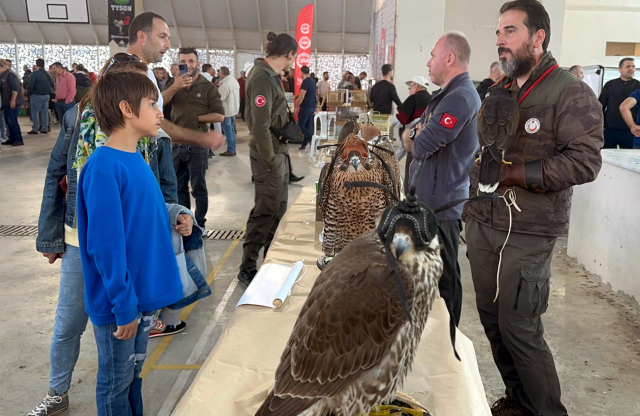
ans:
(154, 357)
(176, 367)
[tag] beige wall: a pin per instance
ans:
(419, 24)
(588, 31)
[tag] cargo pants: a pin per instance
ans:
(513, 322)
(271, 195)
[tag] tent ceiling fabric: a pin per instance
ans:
(188, 28)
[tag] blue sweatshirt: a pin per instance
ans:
(128, 261)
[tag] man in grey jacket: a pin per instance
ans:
(447, 137)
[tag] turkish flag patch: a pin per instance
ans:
(260, 101)
(448, 121)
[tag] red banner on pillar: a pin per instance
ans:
(383, 46)
(304, 33)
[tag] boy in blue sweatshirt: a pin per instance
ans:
(128, 260)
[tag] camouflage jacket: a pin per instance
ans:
(560, 134)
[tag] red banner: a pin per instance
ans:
(383, 46)
(304, 33)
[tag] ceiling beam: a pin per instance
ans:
(233, 31)
(175, 23)
(95, 32)
(260, 26)
(67, 33)
(3, 15)
(344, 21)
(204, 26)
(286, 13)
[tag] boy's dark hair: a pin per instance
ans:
(206, 67)
(623, 60)
(142, 22)
(40, 63)
(325, 72)
(189, 51)
(537, 17)
(363, 73)
(280, 45)
(304, 69)
(111, 89)
(386, 69)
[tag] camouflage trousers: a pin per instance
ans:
(513, 322)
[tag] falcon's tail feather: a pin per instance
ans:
(489, 176)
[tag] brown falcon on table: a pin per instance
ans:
(357, 333)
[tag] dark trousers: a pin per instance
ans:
(242, 103)
(305, 120)
(62, 107)
(11, 122)
(407, 172)
(272, 192)
(614, 138)
(191, 163)
(450, 283)
(513, 323)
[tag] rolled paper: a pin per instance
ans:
(285, 290)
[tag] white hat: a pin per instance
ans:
(422, 81)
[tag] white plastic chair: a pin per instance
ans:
(324, 118)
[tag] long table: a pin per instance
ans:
(239, 372)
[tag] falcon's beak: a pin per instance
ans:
(355, 162)
(401, 243)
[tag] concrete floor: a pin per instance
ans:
(594, 334)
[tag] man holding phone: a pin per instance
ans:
(149, 40)
(194, 107)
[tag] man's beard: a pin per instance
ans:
(521, 62)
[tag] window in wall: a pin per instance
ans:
(8, 51)
(222, 57)
(57, 53)
(27, 54)
(622, 49)
(331, 63)
(104, 54)
(87, 56)
(357, 64)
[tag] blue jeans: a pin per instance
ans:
(11, 121)
(305, 120)
(39, 107)
(229, 129)
(119, 386)
(71, 321)
(636, 142)
(62, 107)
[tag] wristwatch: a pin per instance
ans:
(412, 133)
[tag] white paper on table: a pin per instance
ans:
(272, 283)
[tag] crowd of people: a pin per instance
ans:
(173, 119)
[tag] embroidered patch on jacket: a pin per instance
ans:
(532, 125)
(448, 121)
(261, 101)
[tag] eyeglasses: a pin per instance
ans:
(121, 58)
